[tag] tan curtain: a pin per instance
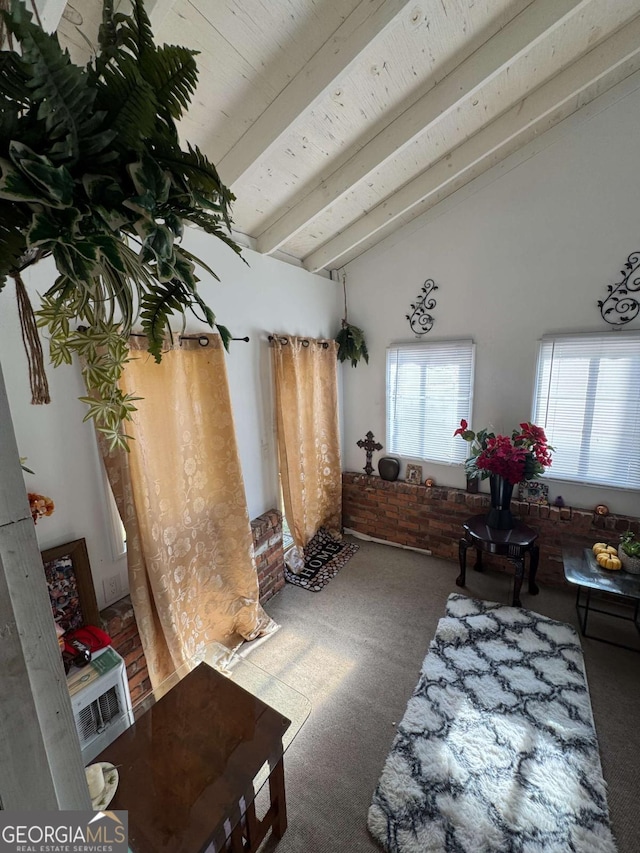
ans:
(305, 377)
(180, 494)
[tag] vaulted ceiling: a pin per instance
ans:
(337, 121)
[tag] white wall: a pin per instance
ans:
(267, 296)
(525, 250)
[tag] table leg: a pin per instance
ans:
(236, 841)
(278, 799)
(479, 566)
(517, 584)
(252, 828)
(583, 619)
(462, 556)
(533, 568)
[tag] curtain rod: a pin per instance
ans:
(202, 339)
(283, 341)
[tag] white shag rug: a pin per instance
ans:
(497, 751)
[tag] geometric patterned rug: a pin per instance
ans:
(324, 556)
(497, 750)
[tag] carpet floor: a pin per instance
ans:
(355, 651)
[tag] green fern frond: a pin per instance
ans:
(197, 172)
(172, 73)
(60, 87)
(13, 241)
(157, 307)
(129, 102)
(134, 31)
(107, 35)
(13, 80)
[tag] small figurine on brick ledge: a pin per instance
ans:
(559, 501)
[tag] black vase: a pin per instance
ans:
(500, 513)
(389, 468)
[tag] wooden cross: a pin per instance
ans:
(369, 445)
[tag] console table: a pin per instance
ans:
(199, 750)
(514, 544)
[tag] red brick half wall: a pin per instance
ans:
(431, 518)
(267, 543)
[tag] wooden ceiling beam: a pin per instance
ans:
(367, 21)
(619, 53)
(158, 11)
(50, 12)
(533, 24)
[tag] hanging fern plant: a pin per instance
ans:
(350, 339)
(92, 174)
(351, 344)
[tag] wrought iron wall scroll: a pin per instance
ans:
(420, 320)
(620, 307)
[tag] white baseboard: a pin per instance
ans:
(385, 542)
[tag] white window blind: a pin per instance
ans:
(429, 391)
(587, 399)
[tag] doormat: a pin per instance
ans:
(324, 556)
(497, 749)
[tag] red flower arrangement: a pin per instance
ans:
(523, 456)
(40, 506)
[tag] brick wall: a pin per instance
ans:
(267, 543)
(431, 518)
(120, 622)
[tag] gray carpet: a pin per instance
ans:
(355, 651)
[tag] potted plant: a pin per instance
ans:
(522, 456)
(92, 173)
(629, 552)
(351, 344)
(506, 460)
(350, 339)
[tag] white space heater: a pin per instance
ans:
(101, 701)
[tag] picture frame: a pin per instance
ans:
(534, 492)
(413, 474)
(71, 592)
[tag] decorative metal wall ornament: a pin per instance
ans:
(369, 445)
(420, 320)
(619, 307)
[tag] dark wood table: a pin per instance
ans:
(514, 544)
(187, 767)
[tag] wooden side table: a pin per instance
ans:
(514, 544)
(187, 767)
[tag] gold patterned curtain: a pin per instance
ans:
(180, 494)
(305, 377)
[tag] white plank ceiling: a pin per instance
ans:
(337, 121)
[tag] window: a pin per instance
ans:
(429, 391)
(117, 533)
(587, 399)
